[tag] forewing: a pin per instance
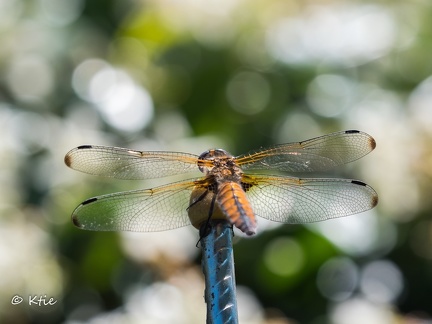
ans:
(316, 154)
(123, 163)
(149, 210)
(294, 200)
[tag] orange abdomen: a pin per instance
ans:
(233, 202)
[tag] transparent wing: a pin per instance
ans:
(123, 163)
(294, 200)
(316, 154)
(149, 210)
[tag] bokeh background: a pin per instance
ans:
(191, 75)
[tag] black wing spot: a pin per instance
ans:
(360, 183)
(352, 131)
(83, 147)
(246, 186)
(88, 201)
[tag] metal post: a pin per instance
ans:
(218, 267)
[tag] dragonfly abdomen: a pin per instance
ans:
(233, 202)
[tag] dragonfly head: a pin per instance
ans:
(206, 159)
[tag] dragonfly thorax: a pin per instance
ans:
(218, 163)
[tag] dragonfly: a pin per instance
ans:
(230, 188)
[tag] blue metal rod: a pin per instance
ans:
(218, 267)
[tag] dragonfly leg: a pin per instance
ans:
(200, 198)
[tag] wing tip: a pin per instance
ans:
(76, 222)
(68, 160)
(374, 200)
(372, 142)
(68, 156)
(75, 219)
